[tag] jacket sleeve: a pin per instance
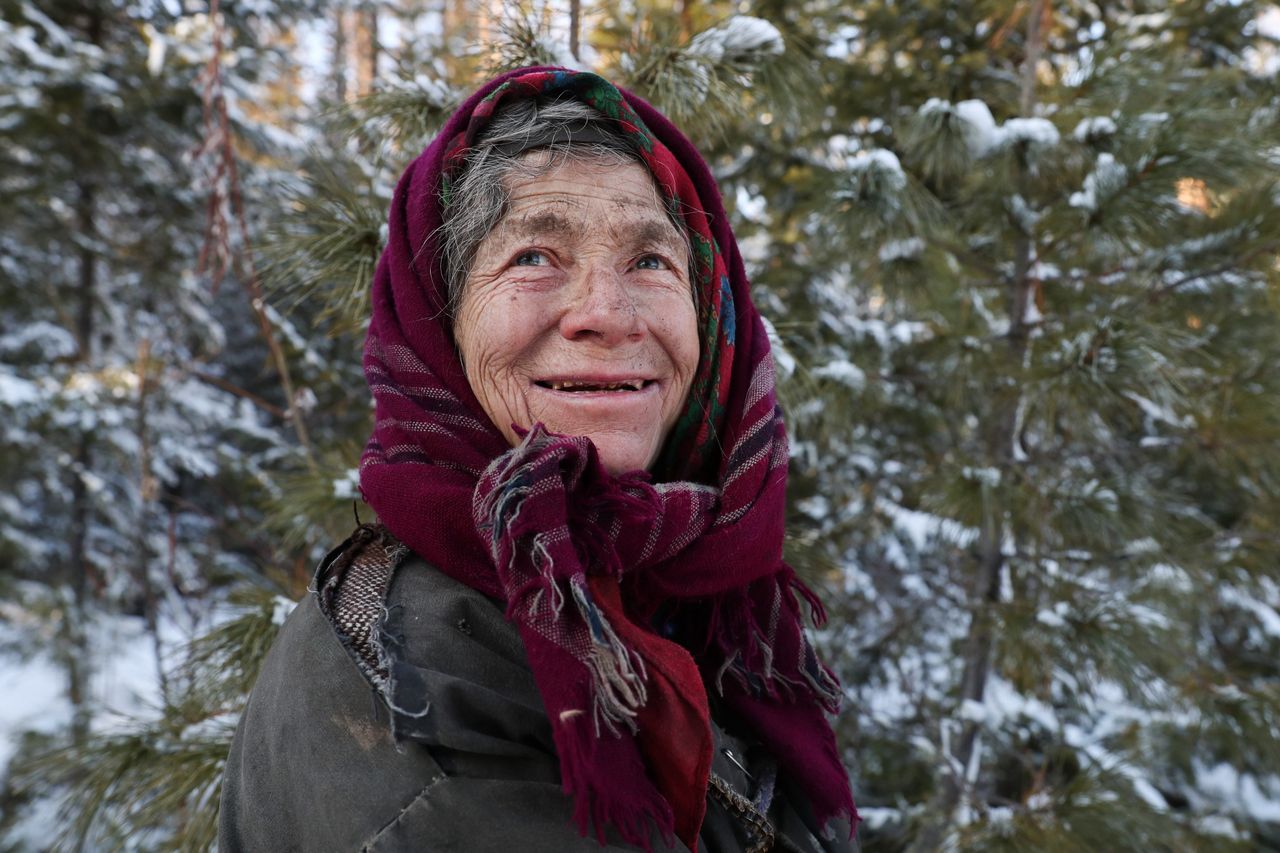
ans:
(315, 765)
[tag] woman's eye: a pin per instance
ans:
(650, 262)
(532, 258)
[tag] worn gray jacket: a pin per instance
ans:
(397, 712)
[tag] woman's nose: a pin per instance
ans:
(602, 308)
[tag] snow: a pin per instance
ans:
(23, 38)
(1268, 618)
(816, 507)
(983, 136)
(1176, 255)
(882, 163)
(1094, 127)
(737, 39)
(921, 527)
(1240, 792)
(1000, 819)
(1055, 617)
(16, 391)
(873, 467)
(972, 711)
(1221, 825)
(281, 608)
(783, 361)
(1004, 702)
(1146, 544)
(1171, 576)
(1022, 213)
(347, 487)
(986, 476)
(884, 333)
(1148, 617)
(1149, 20)
(41, 707)
(92, 482)
(1108, 176)
(1160, 413)
(1031, 313)
(123, 682)
(56, 34)
(1093, 489)
(750, 206)
(981, 133)
(900, 250)
(291, 334)
(1148, 793)
(304, 399)
(1269, 22)
(559, 51)
(843, 371)
(878, 816)
(841, 41)
(1029, 131)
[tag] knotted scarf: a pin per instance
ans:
(634, 598)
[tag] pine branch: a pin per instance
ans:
(323, 256)
(398, 116)
(700, 83)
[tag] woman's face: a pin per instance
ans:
(578, 312)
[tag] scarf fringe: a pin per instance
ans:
(765, 654)
(618, 677)
(756, 629)
(627, 801)
(617, 673)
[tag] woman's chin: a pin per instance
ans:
(623, 453)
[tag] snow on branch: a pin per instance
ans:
(740, 39)
(982, 135)
(1107, 178)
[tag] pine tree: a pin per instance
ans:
(126, 427)
(1023, 273)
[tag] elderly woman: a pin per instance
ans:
(573, 627)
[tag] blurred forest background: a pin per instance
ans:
(1020, 257)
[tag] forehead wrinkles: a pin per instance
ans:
(625, 219)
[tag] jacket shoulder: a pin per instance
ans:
(310, 726)
(397, 615)
(351, 586)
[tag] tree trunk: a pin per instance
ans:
(338, 70)
(75, 639)
(686, 20)
(575, 25)
(147, 494)
(1035, 44)
(964, 759)
(366, 38)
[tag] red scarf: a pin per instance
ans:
(587, 563)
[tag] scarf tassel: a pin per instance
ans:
(617, 673)
(624, 800)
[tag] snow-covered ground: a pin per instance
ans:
(123, 683)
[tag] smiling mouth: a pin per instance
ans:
(574, 385)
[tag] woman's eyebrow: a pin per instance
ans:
(543, 222)
(637, 232)
(654, 232)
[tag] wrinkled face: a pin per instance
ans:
(578, 312)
